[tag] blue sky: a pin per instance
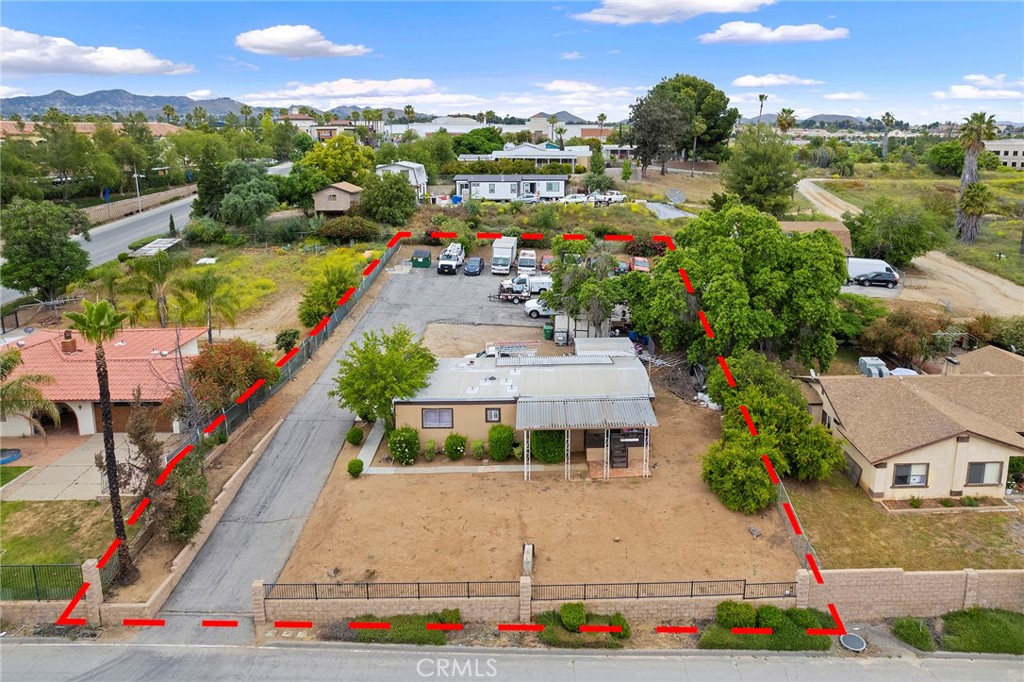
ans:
(923, 61)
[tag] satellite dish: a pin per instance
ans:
(675, 196)
(813, 375)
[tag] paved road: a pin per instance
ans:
(89, 661)
(261, 526)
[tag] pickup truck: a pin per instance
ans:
(451, 259)
(529, 284)
(610, 197)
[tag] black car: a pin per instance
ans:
(473, 266)
(886, 279)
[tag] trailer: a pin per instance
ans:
(507, 292)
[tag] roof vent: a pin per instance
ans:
(20, 344)
(122, 342)
(163, 354)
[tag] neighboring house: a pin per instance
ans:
(835, 228)
(303, 122)
(414, 172)
(135, 357)
(988, 360)
(537, 154)
(28, 129)
(336, 198)
(929, 436)
(332, 129)
(1010, 151)
(508, 187)
(601, 397)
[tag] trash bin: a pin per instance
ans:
(421, 258)
(549, 331)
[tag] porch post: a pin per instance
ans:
(568, 462)
(647, 452)
(607, 454)
(526, 455)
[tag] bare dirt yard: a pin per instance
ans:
(473, 526)
(456, 340)
(698, 189)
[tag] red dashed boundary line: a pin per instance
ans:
(65, 618)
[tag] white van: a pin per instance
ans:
(527, 264)
(862, 266)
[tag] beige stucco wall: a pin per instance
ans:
(947, 470)
(469, 419)
(343, 203)
(14, 427)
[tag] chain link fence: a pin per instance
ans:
(800, 542)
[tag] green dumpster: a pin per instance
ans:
(549, 331)
(421, 258)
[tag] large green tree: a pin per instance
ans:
(66, 152)
(383, 367)
(37, 247)
(99, 323)
(658, 127)
(389, 199)
(479, 141)
(18, 159)
(250, 194)
(712, 106)
(762, 170)
(341, 159)
(210, 188)
(895, 230)
(298, 187)
(223, 371)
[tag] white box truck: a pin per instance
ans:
(503, 255)
(862, 266)
(527, 264)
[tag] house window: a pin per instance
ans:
(910, 475)
(984, 473)
(550, 186)
(332, 197)
(437, 418)
(826, 419)
(492, 414)
(1015, 152)
(512, 187)
(1006, 152)
(1013, 163)
(490, 188)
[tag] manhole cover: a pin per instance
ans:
(854, 643)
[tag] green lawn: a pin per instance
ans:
(60, 532)
(8, 473)
(989, 631)
(849, 531)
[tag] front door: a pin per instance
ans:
(529, 187)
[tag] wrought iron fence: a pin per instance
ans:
(445, 590)
(686, 589)
(769, 590)
(39, 582)
(800, 542)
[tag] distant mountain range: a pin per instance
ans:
(108, 102)
(563, 117)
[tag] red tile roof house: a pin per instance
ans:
(135, 357)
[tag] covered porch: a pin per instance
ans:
(614, 432)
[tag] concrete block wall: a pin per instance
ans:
(662, 609)
(124, 207)
(32, 612)
(320, 611)
(1000, 590)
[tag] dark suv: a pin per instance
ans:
(886, 279)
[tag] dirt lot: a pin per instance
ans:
(698, 189)
(456, 340)
(472, 527)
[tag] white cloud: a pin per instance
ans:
(614, 51)
(205, 93)
(770, 79)
(570, 55)
(629, 12)
(8, 91)
(233, 61)
(846, 96)
(295, 41)
(983, 87)
(752, 98)
(751, 32)
(30, 53)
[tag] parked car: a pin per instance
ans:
(547, 263)
(534, 308)
(621, 266)
(473, 266)
(527, 199)
(574, 199)
(887, 279)
(639, 264)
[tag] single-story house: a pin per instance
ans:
(835, 228)
(538, 154)
(930, 435)
(508, 187)
(336, 198)
(135, 357)
(322, 133)
(304, 122)
(600, 397)
(414, 172)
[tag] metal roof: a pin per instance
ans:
(155, 247)
(609, 346)
(585, 413)
(549, 361)
(508, 177)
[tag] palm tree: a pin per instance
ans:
(410, 115)
(762, 99)
(552, 120)
(785, 120)
(888, 121)
(214, 293)
(489, 115)
(152, 277)
(354, 116)
(391, 122)
(246, 111)
(21, 397)
(169, 114)
(99, 322)
(973, 132)
(561, 131)
(601, 119)
(974, 202)
(698, 128)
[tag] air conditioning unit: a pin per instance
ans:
(872, 367)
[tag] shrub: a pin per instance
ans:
(478, 449)
(455, 446)
(548, 446)
(1008, 332)
(735, 473)
(645, 246)
(914, 632)
(788, 634)
(946, 502)
(517, 452)
(554, 633)
(803, 618)
(429, 450)
(731, 614)
(501, 439)
(286, 339)
(969, 501)
(355, 467)
(769, 616)
(123, 257)
(403, 630)
(349, 228)
(404, 445)
(620, 620)
(915, 502)
(573, 615)
(450, 616)
(354, 436)
(545, 218)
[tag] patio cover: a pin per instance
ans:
(584, 413)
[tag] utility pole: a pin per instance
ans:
(138, 194)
